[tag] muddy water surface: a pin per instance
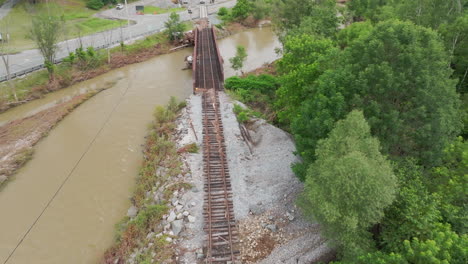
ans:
(66, 201)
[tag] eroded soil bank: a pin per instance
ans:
(18, 137)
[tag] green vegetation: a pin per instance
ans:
(376, 114)
(159, 10)
(256, 91)
(161, 163)
(237, 62)
(81, 62)
(174, 28)
(257, 9)
(45, 32)
(349, 184)
(79, 21)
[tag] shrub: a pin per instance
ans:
(223, 11)
(94, 4)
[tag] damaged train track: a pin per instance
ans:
(220, 224)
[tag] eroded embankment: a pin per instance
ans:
(17, 138)
(272, 230)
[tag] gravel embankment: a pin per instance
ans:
(264, 190)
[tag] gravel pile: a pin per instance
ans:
(272, 229)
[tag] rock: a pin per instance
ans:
(160, 171)
(150, 235)
(179, 207)
(186, 213)
(150, 245)
(193, 203)
(272, 228)
(168, 239)
(256, 209)
(171, 233)
(290, 216)
(157, 198)
(270, 218)
(176, 193)
(200, 254)
(195, 189)
(132, 211)
(191, 218)
(264, 225)
(177, 226)
(166, 227)
(175, 202)
(3, 178)
(179, 216)
(171, 217)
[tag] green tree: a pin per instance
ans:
(349, 185)
(444, 247)
(316, 17)
(174, 28)
(237, 62)
(414, 213)
(354, 31)
(305, 58)
(45, 31)
(241, 10)
(398, 74)
(94, 4)
(450, 182)
(261, 9)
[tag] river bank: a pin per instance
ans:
(36, 85)
(95, 153)
(17, 138)
(272, 229)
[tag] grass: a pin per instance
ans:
(79, 21)
(159, 10)
(161, 163)
(36, 84)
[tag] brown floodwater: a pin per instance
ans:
(66, 201)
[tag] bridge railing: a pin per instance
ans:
(195, 60)
(218, 54)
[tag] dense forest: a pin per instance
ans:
(374, 93)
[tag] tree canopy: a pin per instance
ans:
(349, 184)
(398, 75)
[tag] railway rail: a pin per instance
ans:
(220, 224)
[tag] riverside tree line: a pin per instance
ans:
(378, 111)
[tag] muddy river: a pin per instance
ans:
(63, 205)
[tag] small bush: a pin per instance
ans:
(243, 117)
(223, 11)
(149, 214)
(94, 4)
(191, 148)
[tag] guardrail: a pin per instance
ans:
(60, 60)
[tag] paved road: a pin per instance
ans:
(145, 24)
(6, 7)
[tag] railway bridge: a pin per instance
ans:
(221, 244)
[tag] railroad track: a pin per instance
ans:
(220, 225)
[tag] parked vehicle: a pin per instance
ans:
(119, 6)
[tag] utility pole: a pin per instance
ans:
(128, 19)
